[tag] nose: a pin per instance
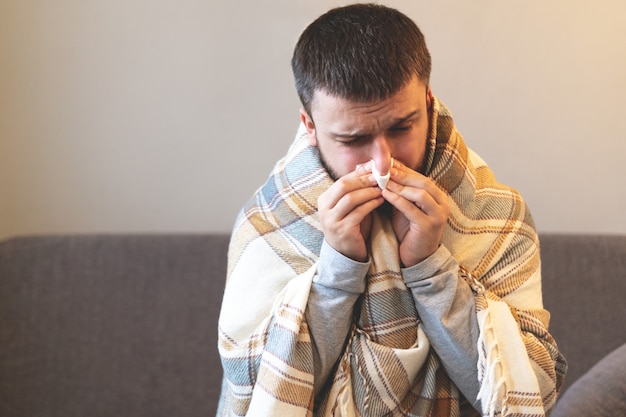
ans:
(381, 155)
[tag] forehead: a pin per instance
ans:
(332, 112)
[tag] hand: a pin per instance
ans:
(345, 212)
(421, 211)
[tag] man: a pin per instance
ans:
(421, 296)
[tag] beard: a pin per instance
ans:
(331, 172)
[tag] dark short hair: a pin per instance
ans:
(361, 52)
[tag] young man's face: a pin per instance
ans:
(349, 133)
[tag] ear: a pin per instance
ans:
(309, 125)
(429, 97)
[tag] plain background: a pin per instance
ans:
(164, 116)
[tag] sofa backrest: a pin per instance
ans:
(110, 325)
(584, 286)
(127, 325)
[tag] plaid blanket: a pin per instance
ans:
(388, 367)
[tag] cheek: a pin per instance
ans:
(411, 152)
(348, 159)
(343, 160)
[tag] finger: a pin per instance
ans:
(409, 209)
(358, 214)
(421, 193)
(360, 178)
(364, 167)
(411, 197)
(355, 201)
(403, 176)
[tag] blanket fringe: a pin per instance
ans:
(493, 384)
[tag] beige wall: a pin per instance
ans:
(163, 116)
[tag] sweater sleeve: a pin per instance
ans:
(445, 304)
(336, 287)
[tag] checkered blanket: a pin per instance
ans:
(388, 367)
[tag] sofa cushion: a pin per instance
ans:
(601, 392)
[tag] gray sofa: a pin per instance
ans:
(125, 325)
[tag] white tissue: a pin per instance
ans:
(381, 180)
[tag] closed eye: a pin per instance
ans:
(401, 128)
(405, 124)
(351, 140)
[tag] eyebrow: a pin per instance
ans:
(358, 134)
(405, 118)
